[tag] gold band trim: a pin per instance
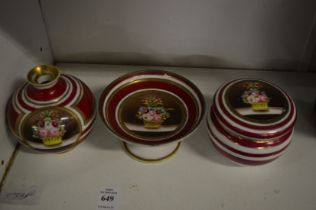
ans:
(49, 74)
(144, 160)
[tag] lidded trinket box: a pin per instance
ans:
(151, 112)
(52, 112)
(251, 121)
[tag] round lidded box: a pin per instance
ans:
(151, 112)
(52, 112)
(251, 121)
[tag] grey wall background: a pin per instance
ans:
(23, 44)
(255, 34)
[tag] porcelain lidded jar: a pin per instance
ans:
(52, 112)
(151, 112)
(251, 121)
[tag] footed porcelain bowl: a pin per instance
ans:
(151, 112)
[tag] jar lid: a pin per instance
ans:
(254, 108)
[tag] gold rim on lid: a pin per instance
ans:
(43, 75)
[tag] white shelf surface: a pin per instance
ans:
(197, 177)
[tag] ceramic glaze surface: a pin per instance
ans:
(151, 107)
(251, 121)
(151, 111)
(52, 112)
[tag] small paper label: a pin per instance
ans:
(23, 195)
(107, 198)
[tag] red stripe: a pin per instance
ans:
(66, 102)
(248, 142)
(239, 160)
(75, 89)
(87, 102)
(12, 115)
(244, 153)
(87, 130)
(21, 102)
(251, 134)
(47, 94)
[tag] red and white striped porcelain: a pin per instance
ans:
(151, 111)
(251, 121)
(52, 112)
